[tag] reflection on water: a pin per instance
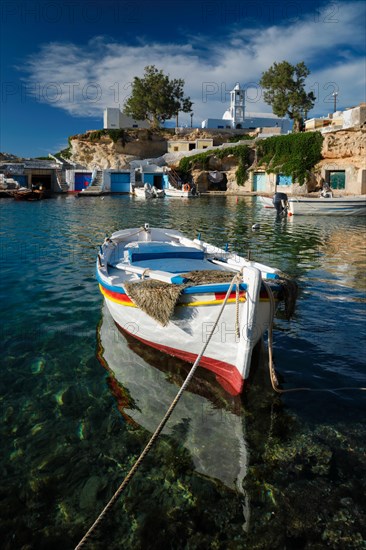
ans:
(202, 417)
(71, 430)
(341, 247)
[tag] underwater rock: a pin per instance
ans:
(88, 495)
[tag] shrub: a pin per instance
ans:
(292, 155)
(241, 152)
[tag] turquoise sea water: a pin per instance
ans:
(78, 402)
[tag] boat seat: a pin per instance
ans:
(177, 265)
(145, 251)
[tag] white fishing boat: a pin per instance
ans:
(178, 294)
(148, 192)
(187, 191)
(327, 206)
(266, 202)
(144, 384)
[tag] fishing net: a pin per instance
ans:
(159, 299)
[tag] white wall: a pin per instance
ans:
(114, 119)
(70, 179)
(251, 122)
(111, 118)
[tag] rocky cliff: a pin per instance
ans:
(349, 144)
(103, 150)
(115, 149)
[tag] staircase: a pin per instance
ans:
(96, 186)
(174, 179)
(62, 185)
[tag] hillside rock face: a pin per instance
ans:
(105, 153)
(136, 144)
(345, 144)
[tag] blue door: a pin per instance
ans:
(259, 181)
(120, 182)
(22, 180)
(82, 180)
(148, 178)
(284, 180)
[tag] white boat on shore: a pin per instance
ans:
(187, 191)
(168, 291)
(327, 206)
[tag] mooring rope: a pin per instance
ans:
(272, 372)
(237, 278)
(237, 321)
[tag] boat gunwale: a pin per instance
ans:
(194, 289)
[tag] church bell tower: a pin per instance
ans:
(237, 106)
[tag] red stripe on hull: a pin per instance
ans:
(227, 375)
(117, 296)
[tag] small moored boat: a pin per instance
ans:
(174, 293)
(186, 191)
(25, 194)
(148, 192)
(328, 205)
(266, 202)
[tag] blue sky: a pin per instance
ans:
(64, 61)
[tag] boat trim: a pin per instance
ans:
(227, 375)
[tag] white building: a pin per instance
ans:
(353, 117)
(114, 119)
(235, 118)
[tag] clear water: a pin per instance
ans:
(264, 471)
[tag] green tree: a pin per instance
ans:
(284, 90)
(156, 98)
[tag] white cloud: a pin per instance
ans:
(99, 74)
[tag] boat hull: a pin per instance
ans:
(180, 193)
(346, 206)
(29, 195)
(148, 193)
(189, 299)
(266, 202)
(188, 330)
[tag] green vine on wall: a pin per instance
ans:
(292, 155)
(200, 161)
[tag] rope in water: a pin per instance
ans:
(272, 372)
(236, 279)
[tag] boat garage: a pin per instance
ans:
(34, 172)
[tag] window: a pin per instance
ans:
(337, 179)
(284, 180)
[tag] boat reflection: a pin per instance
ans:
(207, 421)
(340, 246)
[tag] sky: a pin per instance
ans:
(63, 61)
